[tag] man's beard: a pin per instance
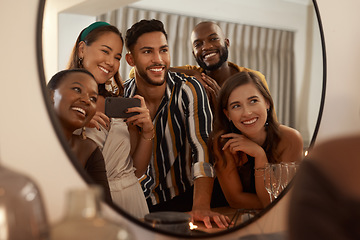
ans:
(146, 78)
(224, 53)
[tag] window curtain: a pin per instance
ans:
(270, 51)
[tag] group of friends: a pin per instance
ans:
(195, 125)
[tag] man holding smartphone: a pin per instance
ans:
(179, 176)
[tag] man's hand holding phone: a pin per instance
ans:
(134, 110)
(117, 107)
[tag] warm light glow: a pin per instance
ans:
(306, 153)
(192, 226)
(4, 227)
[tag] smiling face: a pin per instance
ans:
(75, 100)
(102, 57)
(247, 109)
(209, 46)
(151, 58)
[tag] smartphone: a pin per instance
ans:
(116, 107)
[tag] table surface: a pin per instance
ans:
(229, 212)
(243, 215)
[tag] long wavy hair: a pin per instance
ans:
(223, 126)
(89, 39)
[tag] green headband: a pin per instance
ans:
(92, 27)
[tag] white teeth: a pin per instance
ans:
(210, 55)
(156, 69)
(79, 110)
(103, 69)
(250, 121)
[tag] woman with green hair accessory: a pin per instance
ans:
(125, 143)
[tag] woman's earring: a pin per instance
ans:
(111, 86)
(83, 135)
(266, 123)
(80, 62)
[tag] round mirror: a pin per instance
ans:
(284, 35)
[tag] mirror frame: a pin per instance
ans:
(88, 180)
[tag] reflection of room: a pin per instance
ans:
(30, 145)
(266, 49)
(297, 17)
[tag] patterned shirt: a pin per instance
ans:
(183, 123)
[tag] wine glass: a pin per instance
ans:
(275, 179)
(288, 171)
(267, 180)
(285, 174)
(292, 166)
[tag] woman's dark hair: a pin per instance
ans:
(222, 124)
(56, 80)
(141, 27)
(89, 39)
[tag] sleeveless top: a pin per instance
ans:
(246, 173)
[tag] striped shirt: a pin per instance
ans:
(183, 123)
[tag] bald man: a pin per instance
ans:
(210, 49)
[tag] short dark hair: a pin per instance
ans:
(55, 81)
(139, 28)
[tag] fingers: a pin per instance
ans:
(221, 221)
(210, 82)
(105, 122)
(202, 82)
(99, 118)
(227, 219)
(210, 91)
(144, 122)
(207, 222)
(230, 135)
(143, 119)
(142, 100)
(93, 124)
(228, 143)
(234, 143)
(143, 113)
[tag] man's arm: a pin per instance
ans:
(201, 204)
(199, 125)
(188, 70)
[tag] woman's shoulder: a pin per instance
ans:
(83, 148)
(290, 134)
(86, 145)
(291, 142)
(89, 144)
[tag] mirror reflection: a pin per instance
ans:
(285, 48)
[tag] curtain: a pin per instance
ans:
(270, 51)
